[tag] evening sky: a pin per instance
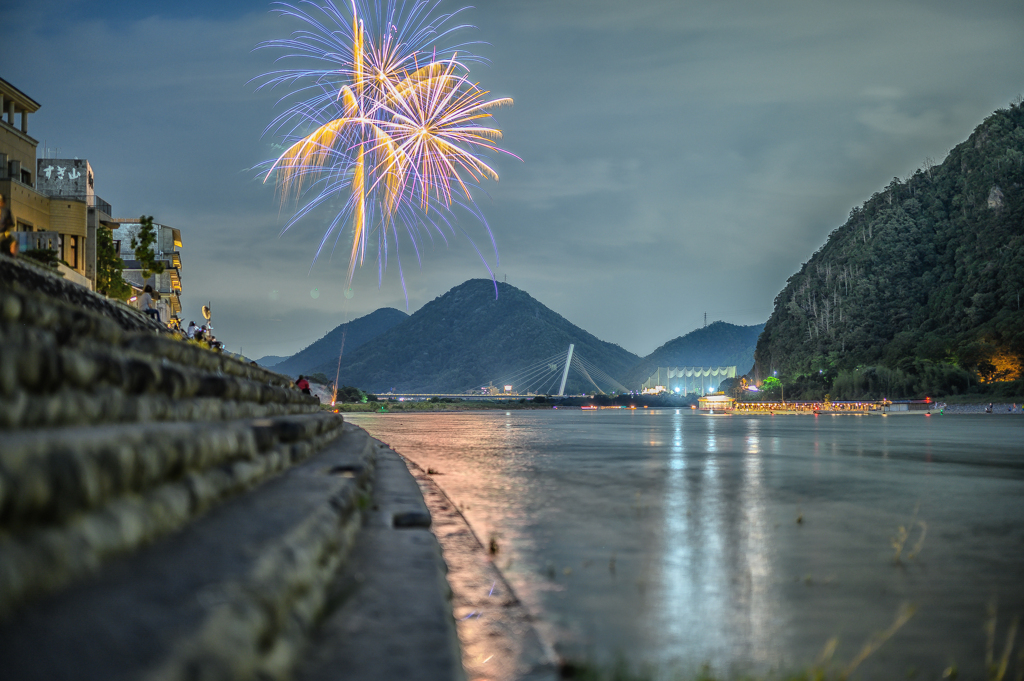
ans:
(678, 157)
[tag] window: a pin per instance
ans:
(26, 177)
(73, 260)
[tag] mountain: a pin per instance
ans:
(717, 344)
(923, 282)
(323, 354)
(270, 361)
(467, 338)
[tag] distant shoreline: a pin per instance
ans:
(442, 407)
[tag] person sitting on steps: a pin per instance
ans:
(146, 303)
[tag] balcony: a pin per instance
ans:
(99, 204)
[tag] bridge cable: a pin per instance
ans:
(602, 375)
(578, 366)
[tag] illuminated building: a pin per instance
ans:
(687, 380)
(165, 248)
(716, 403)
(53, 201)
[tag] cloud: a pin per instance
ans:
(889, 119)
(544, 183)
(678, 156)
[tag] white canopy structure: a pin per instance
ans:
(687, 380)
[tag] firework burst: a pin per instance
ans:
(386, 119)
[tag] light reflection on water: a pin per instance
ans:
(672, 536)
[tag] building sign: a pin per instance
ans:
(63, 177)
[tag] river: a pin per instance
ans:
(679, 539)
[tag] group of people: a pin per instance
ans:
(203, 334)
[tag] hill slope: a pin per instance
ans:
(717, 344)
(467, 338)
(927, 271)
(323, 354)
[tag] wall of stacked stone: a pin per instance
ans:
(115, 431)
(170, 512)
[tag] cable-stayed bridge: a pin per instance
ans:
(548, 376)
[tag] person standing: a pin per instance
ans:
(191, 332)
(8, 243)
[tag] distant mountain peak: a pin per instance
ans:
(355, 333)
(467, 337)
(717, 344)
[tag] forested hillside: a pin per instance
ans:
(467, 337)
(922, 285)
(323, 354)
(717, 344)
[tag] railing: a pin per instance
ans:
(99, 204)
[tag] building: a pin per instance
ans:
(31, 209)
(52, 200)
(713, 403)
(165, 248)
(687, 380)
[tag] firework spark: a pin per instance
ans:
(386, 118)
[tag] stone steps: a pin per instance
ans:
(70, 407)
(171, 513)
(234, 595)
(72, 498)
(52, 376)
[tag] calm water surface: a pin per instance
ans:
(745, 542)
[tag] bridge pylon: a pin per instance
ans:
(565, 372)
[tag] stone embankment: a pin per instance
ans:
(167, 512)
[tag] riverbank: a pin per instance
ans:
(387, 407)
(746, 543)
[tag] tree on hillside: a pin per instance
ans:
(109, 267)
(771, 387)
(142, 243)
(923, 280)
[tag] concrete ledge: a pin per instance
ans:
(496, 632)
(395, 616)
